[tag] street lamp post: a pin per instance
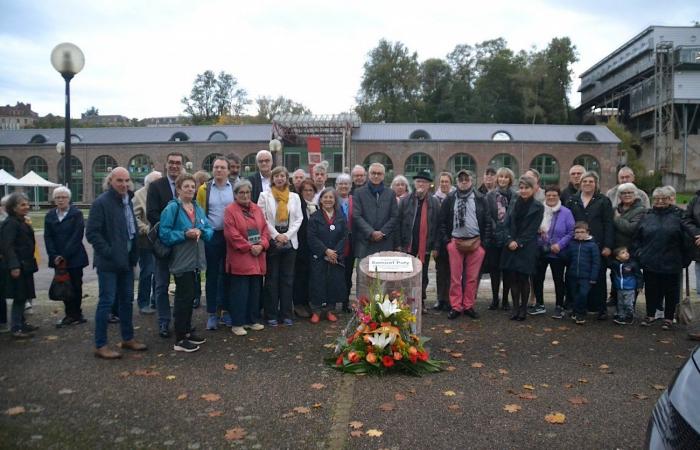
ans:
(68, 60)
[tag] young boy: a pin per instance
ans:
(583, 263)
(627, 279)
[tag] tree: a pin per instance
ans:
(269, 107)
(559, 55)
(212, 97)
(436, 84)
(91, 112)
(461, 61)
(390, 85)
(498, 97)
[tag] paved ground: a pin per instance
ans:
(270, 397)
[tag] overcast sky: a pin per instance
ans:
(142, 56)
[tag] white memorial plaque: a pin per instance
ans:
(390, 264)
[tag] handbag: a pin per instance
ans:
(684, 312)
(61, 288)
(160, 250)
(468, 245)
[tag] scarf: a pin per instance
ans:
(502, 202)
(376, 190)
(441, 195)
(311, 208)
(462, 198)
(549, 212)
(423, 230)
(281, 196)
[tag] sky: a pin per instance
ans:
(142, 56)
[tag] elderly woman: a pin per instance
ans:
(591, 206)
(627, 214)
(659, 248)
(64, 227)
(302, 308)
(184, 227)
(17, 247)
(499, 202)
(519, 257)
(442, 262)
(343, 184)
(247, 240)
(327, 232)
(556, 230)
(282, 210)
(400, 187)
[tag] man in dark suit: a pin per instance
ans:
(160, 192)
(261, 179)
(375, 215)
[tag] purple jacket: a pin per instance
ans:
(561, 231)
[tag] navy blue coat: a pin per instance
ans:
(65, 238)
(327, 281)
(107, 232)
(583, 259)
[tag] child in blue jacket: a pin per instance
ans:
(583, 263)
(627, 279)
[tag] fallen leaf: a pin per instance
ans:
(124, 374)
(658, 387)
(578, 400)
(512, 408)
(640, 396)
(357, 433)
(459, 341)
(230, 367)
(170, 377)
(447, 331)
(454, 407)
(450, 368)
(51, 338)
(603, 366)
(583, 380)
(15, 410)
(65, 391)
(216, 414)
(555, 418)
(562, 328)
(302, 410)
(288, 415)
(374, 433)
(182, 397)
(529, 387)
(555, 342)
(568, 385)
(477, 365)
(547, 329)
(387, 407)
(316, 405)
(512, 391)
(271, 349)
(331, 345)
(456, 355)
(665, 341)
(399, 397)
(544, 385)
(146, 373)
(412, 390)
(356, 424)
(211, 397)
(618, 336)
(503, 371)
(449, 393)
(235, 434)
(527, 396)
(318, 386)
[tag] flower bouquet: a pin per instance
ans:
(379, 340)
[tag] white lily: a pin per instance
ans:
(389, 308)
(381, 340)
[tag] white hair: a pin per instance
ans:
(151, 177)
(61, 190)
(299, 170)
(321, 167)
(400, 179)
(343, 178)
(357, 167)
(262, 153)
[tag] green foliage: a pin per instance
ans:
(269, 107)
(630, 144)
(213, 96)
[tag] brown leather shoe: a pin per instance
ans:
(105, 353)
(133, 345)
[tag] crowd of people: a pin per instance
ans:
(275, 248)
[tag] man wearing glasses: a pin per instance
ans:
(260, 180)
(626, 175)
(375, 215)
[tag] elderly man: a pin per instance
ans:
(375, 215)
(419, 214)
(575, 174)
(359, 178)
(320, 176)
(146, 259)
(113, 232)
(297, 177)
(489, 181)
(260, 180)
(159, 193)
(626, 175)
(234, 167)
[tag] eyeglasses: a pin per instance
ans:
(627, 193)
(376, 174)
(243, 192)
(264, 160)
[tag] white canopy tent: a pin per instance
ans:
(5, 179)
(33, 180)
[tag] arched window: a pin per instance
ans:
(505, 160)
(39, 166)
(208, 162)
(501, 136)
(7, 164)
(586, 136)
(101, 167)
(382, 159)
(417, 162)
(38, 139)
(588, 162)
(419, 134)
(75, 139)
(548, 167)
(139, 166)
(248, 166)
(179, 137)
(461, 161)
(76, 177)
(217, 136)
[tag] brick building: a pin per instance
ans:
(17, 117)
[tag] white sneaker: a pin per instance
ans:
(658, 315)
(28, 308)
(239, 331)
(254, 326)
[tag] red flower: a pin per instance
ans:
(353, 357)
(388, 361)
(397, 356)
(363, 300)
(413, 358)
(423, 356)
(339, 361)
(373, 326)
(371, 358)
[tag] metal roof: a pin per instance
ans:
(133, 135)
(461, 132)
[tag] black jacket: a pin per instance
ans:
(374, 213)
(598, 215)
(65, 238)
(158, 196)
(566, 193)
(407, 217)
(256, 182)
(499, 235)
(661, 240)
(17, 241)
(447, 214)
(327, 281)
(107, 232)
(524, 231)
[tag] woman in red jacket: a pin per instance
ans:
(247, 240)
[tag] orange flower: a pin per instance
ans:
(412, 351)
(397, 356)
(387, 361)
(366, 339)
(353, 357)
(371, 358)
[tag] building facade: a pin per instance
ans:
(17, 117)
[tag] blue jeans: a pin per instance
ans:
(114, 287)
(162, 280)
(146, 267)
(245, 299)
(578, 291)
(217, 287)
